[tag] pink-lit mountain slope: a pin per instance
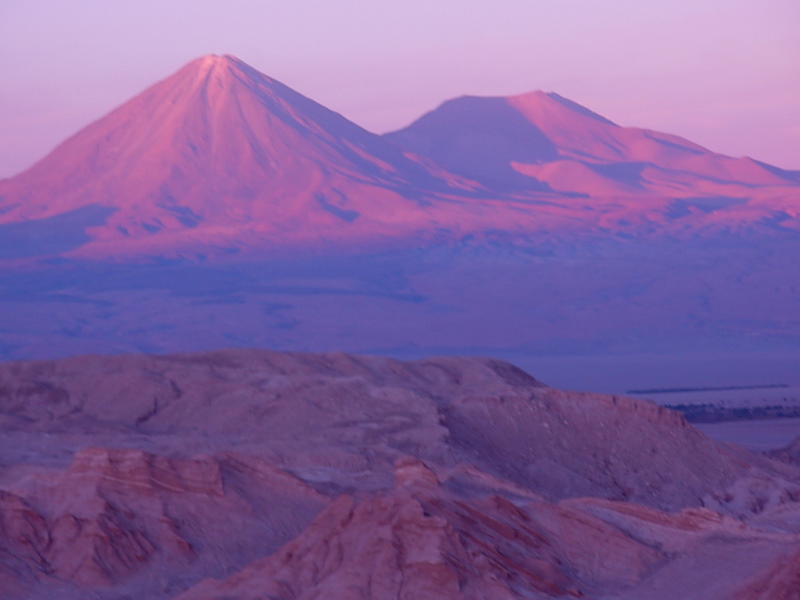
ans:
(220, 158)
(221, 154)
(541, 141)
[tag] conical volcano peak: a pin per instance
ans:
(204, 65)
(212, 61)
(219, 69)
(220, 150)
(218, 78)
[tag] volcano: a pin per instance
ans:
(541, 140)
(219, 158)
(219, 153)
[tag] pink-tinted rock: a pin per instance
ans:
(247, 473)
(780, 582)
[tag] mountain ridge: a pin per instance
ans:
(219, 159)
(563, 130)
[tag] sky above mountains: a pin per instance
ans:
(724, 74)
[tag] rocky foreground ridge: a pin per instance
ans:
(252, 474)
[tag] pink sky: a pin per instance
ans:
(723, 73)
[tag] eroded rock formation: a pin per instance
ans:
(254, 474)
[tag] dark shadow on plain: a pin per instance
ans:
(51, 235)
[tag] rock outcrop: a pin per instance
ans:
(251, 474)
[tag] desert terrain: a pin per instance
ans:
(253, 474)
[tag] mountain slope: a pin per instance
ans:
(638, 181)
(219, 159)
(539, 138)
(223, 149)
